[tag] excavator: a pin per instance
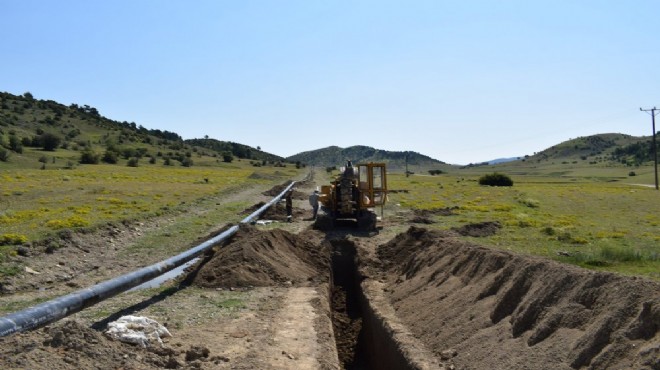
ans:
(353, 195)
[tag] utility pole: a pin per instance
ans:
(655, 147)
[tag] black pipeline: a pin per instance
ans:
(61, 307)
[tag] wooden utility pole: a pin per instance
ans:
(655, 147)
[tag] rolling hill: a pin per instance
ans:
(47, 134)
(35, 132)
(336, 156)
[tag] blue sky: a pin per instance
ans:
(460, 81)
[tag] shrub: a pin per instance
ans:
(12, 239)
(4, 155)
(632, 173)
(49, 141)
(15, 144)
(133, 162)
(435, 172)
(110, 157)
(187, 162)
(495, 179)
(227, 157)
(88, 156)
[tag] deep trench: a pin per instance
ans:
(346, 307)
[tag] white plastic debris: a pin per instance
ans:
(264, 222)
(31, 271)
(139, 330)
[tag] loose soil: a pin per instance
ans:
(268, 258)
(494, 309)
(262, 301)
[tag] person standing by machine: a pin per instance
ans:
(314, 202)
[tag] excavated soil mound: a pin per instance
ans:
(267, 258)
(498, 310)
(278, 189)
(71, 345)
(424, 216)
(480, 229)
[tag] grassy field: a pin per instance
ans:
(36, 203)
(580, 217)
(595, 217)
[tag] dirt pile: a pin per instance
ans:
(71, 345)
(266, 258)
(480, 229)
(425, 216)
(499, 310)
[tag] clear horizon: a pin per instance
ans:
(461, 82)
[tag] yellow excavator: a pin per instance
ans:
(354, 195)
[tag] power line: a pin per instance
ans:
(655, 148)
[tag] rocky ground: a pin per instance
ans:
(264, 301)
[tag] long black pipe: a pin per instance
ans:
(61, 307)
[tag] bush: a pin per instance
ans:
(133, 162)
(4, 155)
(110, 157)
(12, 239)
(49, 141)
(435, 172)
(632, 173)
(495, 179)
(187, 162)
(88, 156)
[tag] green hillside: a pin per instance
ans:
(46, 134)
(396, 161)
(600, 149)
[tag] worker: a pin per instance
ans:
(350, 170)
(314, 202)
(289, 206)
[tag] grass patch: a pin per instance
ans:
(605, 225)
(230, 303)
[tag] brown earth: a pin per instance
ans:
(479, 229)
(267, 258)
(262, 301)
(497, 310)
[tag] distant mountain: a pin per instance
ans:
(503, 160)
(336, 156)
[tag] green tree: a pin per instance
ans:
(88, 156)
(110, 156)
(15, 144)
(49, 141)
(227, 157)
(4, 155)
(495, 179)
